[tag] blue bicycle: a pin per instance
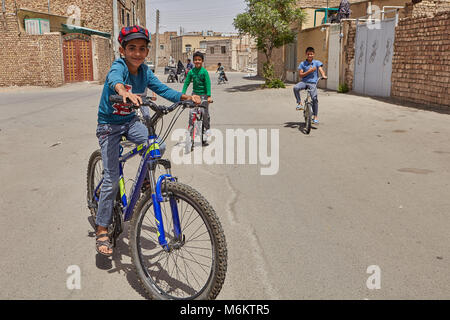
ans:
(177, 244)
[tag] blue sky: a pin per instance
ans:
(194, 15)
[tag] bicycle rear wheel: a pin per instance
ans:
(94, 176)
(308, 114)
(195, 267)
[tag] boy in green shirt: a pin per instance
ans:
(201, 86)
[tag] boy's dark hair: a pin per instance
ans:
(219, 64)
(198, 54)
(310, 49)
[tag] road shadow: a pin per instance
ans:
(301, 126)
(244, 88)
(115, 263)
(254, 78)
(406, 104)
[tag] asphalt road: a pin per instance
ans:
(370, 186)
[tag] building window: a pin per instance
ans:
(223, 49)
(188, 48)
(134, 15)
(123, 16)
(161, 47)
(211, 50)
(128, 19)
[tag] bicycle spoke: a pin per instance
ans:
(190, 269)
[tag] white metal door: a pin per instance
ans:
(333, 58)
(373, 58)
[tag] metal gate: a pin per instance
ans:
(334, 51)
(77, 52)
(374, 48)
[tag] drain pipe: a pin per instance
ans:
(49, 6)
(3, 6)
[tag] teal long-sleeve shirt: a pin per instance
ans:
(201, 81)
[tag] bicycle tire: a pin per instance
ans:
(94, 159)
(307, 114)
(192, 135)
(167, 287)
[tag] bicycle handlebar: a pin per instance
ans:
(146, 101)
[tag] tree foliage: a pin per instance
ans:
(272, 23)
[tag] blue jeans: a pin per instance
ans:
(109, 136)
(313, 88)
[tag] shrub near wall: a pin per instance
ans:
(421, 63)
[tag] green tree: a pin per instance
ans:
(270, 22)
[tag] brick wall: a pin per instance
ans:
(95, 14)
(421, 62)
(348, 59)
(428, 8)
(40, 61)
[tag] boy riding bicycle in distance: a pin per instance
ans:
(221, 71)
(199, 76)
(308, 70)
(128, 77)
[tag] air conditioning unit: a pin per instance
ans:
(37, 26)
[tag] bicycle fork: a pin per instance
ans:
(157, 199)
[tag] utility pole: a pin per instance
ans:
(156, 39)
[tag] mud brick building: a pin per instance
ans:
(421, 63)
(49, 43)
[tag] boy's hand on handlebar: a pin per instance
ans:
(134, 98)
(196, 99)
(210, 100)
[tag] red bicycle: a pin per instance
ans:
(195, 126)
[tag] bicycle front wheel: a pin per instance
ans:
(308, 114)
(195, 266)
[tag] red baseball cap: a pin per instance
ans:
(133, 32)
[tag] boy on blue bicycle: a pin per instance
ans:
(308, 70)
(129, 76)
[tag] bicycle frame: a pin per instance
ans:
(150, 155)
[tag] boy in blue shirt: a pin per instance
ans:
(128, 77)
(308, 71)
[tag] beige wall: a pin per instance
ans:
(164, 54)
(278, 61)
(316, 38)
(102, 57)
(359, 9)
(309, 23)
